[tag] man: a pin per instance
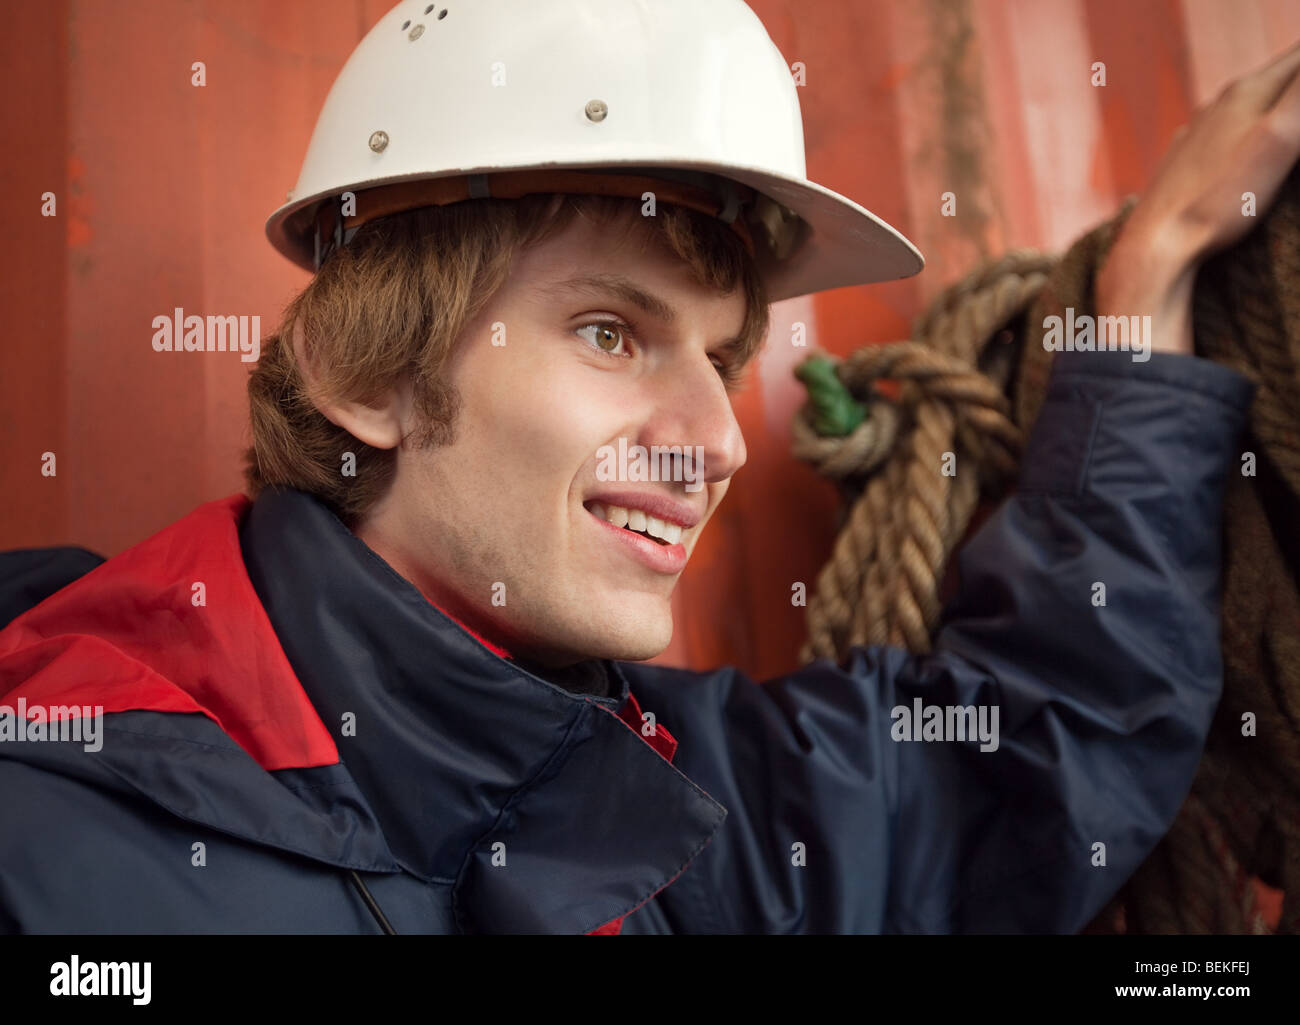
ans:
(399, 691)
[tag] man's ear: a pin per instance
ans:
(378, 425)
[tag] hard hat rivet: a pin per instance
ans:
(379, 141)
(596, 110)
(416, 33)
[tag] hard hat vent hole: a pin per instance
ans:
(419, 29)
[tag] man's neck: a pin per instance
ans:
(585, 676)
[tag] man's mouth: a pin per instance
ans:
(638, 522)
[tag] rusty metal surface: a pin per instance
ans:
(162, 190)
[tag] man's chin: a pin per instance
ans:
(636, 644)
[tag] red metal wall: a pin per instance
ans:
(162, 190)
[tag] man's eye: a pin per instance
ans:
(609, 336)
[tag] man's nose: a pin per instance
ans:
(692, 408)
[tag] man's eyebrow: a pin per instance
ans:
(610, 284)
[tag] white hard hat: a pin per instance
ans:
(689, 99)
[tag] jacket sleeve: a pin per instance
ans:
(838, 821)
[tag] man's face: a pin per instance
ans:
(498, 528)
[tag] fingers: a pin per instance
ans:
(1284, 117)
(1260, 90)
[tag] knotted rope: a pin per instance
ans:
(916, 463)
(1240, 826)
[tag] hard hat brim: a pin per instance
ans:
(840, 244)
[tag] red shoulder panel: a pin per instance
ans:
(171, 625)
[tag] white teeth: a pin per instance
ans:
(637, 519)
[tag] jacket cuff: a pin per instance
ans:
(1168, 417)
(1191, 373)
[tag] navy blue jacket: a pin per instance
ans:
(313, 747)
